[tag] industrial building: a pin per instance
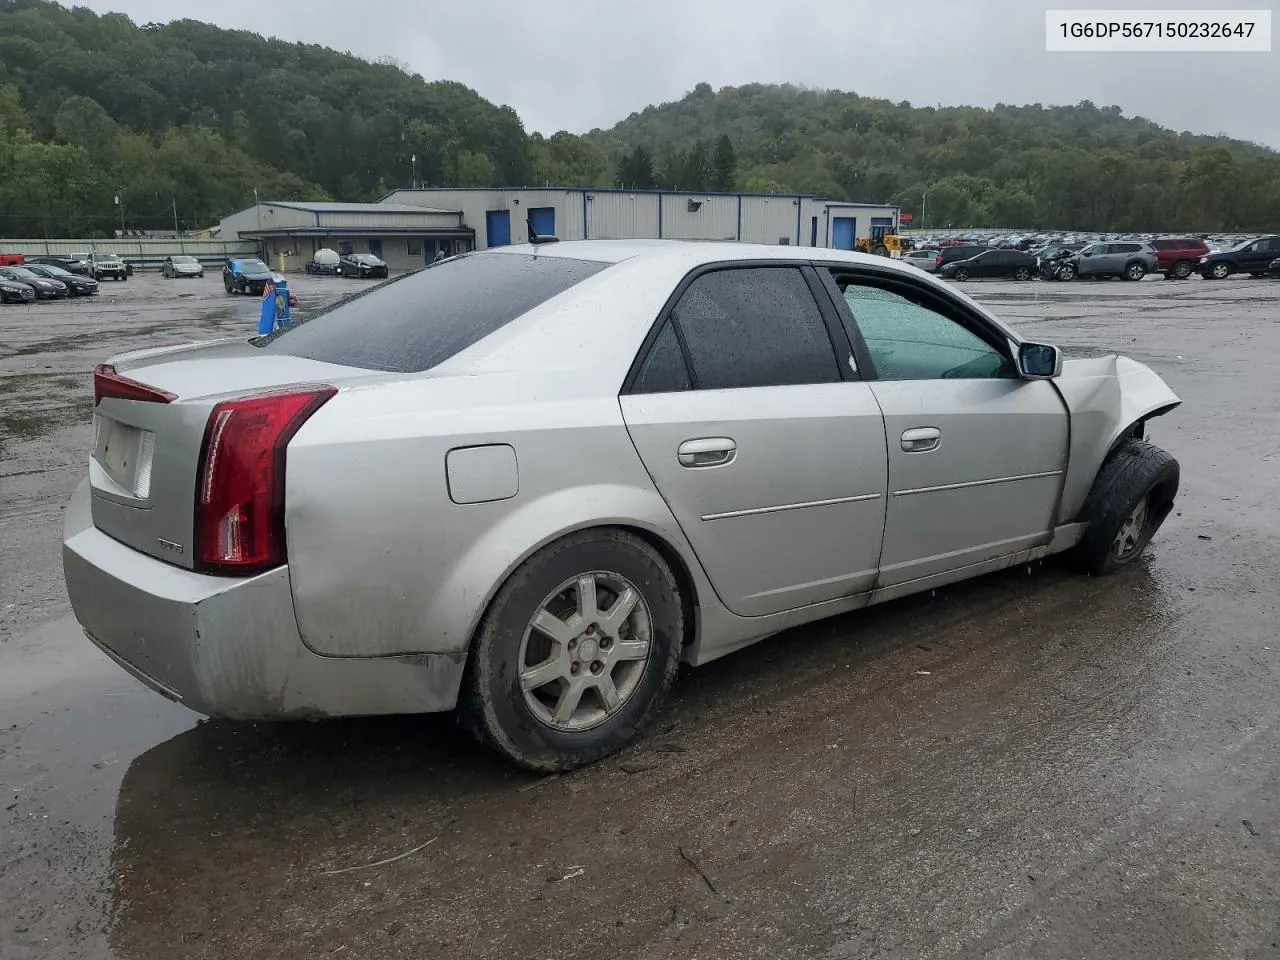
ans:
(404, 235)
(408, 227)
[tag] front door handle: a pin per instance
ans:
(921, 439)
(707, 452)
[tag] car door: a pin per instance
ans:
(751, 420)
(1092, 260)
(977, 455)
(1257, 258)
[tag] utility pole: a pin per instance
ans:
(120, 204)
(924, 201)
(175, 216)
(413, 160)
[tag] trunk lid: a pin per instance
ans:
(145, 456)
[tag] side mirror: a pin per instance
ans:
(1039, 361)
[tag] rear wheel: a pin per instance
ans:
(1022, 273)
(1131, 496)
(962, 275)
(1135, 271)
(576, 651)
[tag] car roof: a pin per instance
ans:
(695, 252)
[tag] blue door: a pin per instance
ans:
(497, 225)
(542, 220)
(375, 247)
(813, 232)
(843, 232)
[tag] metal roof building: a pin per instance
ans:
(409, 227)
(502, 215)
(397, 232)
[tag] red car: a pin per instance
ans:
(11, 260)
(1177, 257)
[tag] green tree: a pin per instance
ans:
(636, 170)
(724, 165)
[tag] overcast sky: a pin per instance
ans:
(579, 64)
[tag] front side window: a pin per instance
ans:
(909, 341)
(754, 327)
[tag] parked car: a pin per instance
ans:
(245, 275)
(958, 251)
(103, 265)
(178, 266)
(77, 285)
(1177, 257)
(12, 259)
(362, 265)
(15, 291)
(1130, 259)
(1006, 263)
(1252, 256)
(453, 491)
(926, 259)
(45, 288)
(72, 263)
(1273, 269)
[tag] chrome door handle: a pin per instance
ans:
(707, 452)
(921, 439)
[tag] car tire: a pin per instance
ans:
(1067, 272)
(1131, 497)
(1134, 272)
(520, 722)
(226, 285)
(1022, 273)
(960, 275)
(1181, 270)
(1218, 271)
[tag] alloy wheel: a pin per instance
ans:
(585, 650)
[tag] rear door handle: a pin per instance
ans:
(707, 452)
(921, 439)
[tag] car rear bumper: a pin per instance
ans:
(230, 647)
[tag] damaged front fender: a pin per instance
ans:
(1108, 398)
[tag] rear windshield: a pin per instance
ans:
(421, 319)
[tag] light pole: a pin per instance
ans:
(924, 201)
(413, 177)
(120, 204)
(175, 217)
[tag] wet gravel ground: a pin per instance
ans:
(1033, 764)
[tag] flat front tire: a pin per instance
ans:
(576, 651)
(1131, 496)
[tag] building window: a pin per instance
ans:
(415, 248)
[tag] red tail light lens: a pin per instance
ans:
(939, 259)
(239, 526)
(107, 384)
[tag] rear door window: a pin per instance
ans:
(754, 327)
(421, 319)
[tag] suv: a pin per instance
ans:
(107, 265)
(245, 275)
(1129, 259)
(1252, 257)
(1177, 257)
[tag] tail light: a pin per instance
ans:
(939, 259)
(109, 385)
(239, 526)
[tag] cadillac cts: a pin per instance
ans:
(528, 483)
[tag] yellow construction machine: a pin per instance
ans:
(882, 243)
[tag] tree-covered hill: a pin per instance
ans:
(186, 121)
(1075, 167)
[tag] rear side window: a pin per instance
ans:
(755, 327)
(664, 370)
(422, 319)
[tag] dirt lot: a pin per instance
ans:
(1034, 764)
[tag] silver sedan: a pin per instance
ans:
(530, 482)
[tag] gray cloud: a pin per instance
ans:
(579, 64)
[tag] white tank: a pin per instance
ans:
(326, 257)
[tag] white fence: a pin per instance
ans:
(142, 253)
